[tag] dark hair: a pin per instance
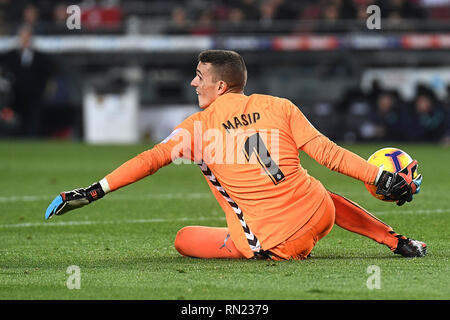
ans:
(228, 66)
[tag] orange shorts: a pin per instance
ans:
(212, 242)
(300, 244)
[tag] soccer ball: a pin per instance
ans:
(391, 159)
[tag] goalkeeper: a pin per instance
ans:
(274, 209)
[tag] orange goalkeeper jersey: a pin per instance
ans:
(247, 148)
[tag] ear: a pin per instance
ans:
(222, 87)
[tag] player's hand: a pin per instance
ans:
(77, 198)
(417, 181)
(400, 186)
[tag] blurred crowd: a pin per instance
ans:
(24, 76)
(272, 16)
(383, 115)
(219, 16)
(376, 115)
(367, 116)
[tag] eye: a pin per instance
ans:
(197, 74)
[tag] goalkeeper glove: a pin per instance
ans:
(399, 186)
(77, 198)
(417, 181)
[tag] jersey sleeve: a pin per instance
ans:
(179, 144)
(302, 130)
(341, 160)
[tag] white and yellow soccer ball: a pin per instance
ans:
(390, 159)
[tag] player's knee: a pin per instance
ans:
(181, 240)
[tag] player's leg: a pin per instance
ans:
(354, 218)
(206, 242)
(301, 243)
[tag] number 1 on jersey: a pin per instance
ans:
(255, 144)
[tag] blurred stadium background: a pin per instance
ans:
(124, 76)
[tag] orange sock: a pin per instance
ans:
(206, 242)
(354, 218)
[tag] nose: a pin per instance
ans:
(194, 82)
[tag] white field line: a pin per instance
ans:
(181, 219)
(162, 196)
(4, 199)
(419, 211)
(29, 198)
(84, 223)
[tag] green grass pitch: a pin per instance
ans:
(123, 244)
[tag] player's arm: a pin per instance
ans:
(324, 151)
(141, 166)
(399, 186)
(336, 158)
(135, 169)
